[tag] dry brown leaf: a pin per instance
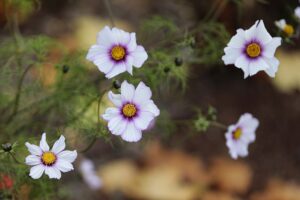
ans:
(231, 176)
(279, 190)
(118, 175)
(215, 195)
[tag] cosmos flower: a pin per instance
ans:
(297, 12)
(284, 27)
(116, 51)
(240, 135)
(253, 50)
(89, 175)
(133, 113)
(53, 161)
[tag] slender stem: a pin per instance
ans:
(110, 13)
(18, 94)
(14, 158)
(218, 125)
(98, 124)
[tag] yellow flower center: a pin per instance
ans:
(48, 158)
(253, 50)
(129, 110)
(288, 30)
(237, 134)
(118, 53)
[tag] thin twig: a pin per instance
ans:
(218, 125)
(14, 158)
(110, 13)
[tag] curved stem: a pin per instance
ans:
(110, 13)
(98, 124)
(14, 158)
(218, 125)
(18, 94)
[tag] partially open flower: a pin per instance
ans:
(240, 135)
(133, 113)
(89, 174)
(53, 161)
(253, 50)
(116, 51)
(284, 27)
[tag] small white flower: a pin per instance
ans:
(133, 113)
(253, 50)
(89, 175)
(297, 12)
(116, 51)
(53, 161)
(240, 135)
(284, 27)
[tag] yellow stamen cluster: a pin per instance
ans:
(118, 53)
(253, 50)
(48, 158)
(129, 110)
(288, 30)
(237, 134)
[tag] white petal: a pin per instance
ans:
(33, 160)
(67, 155)
(34, 149)
(116, 69)
(43, 143)
(127, 91)
(140, 56)
(63, 165)
(53, 172)
(297, 12)
(143, 120)
(131, 46)
(129, 63)
(270, 48)
(243, 63)
(259, 32)
(238, 40)
(131, 134)
(149, 106)
(273, 63)
(257, 65)
(231, 55)
(110, 113)
(106, 38)
(121, 36)
(142, 93)
(116, 99)
(96, 51)
(59, 145)
(104, 63)
(280, 24)
(37, 171)
(117, 125)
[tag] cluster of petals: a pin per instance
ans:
(116, 51)
(240, 135)
(53, 161)
(133, 112)
(253, 50)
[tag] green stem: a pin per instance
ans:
(110, 13)
(218, 125)
(14, 158)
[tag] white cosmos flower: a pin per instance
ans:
(53, 161)
(116, 51)
(297, 12)
(253, 50)
(284, 27)
(240, 135)
(133, 113)
(89, 174)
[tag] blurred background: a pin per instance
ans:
(174, 160)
